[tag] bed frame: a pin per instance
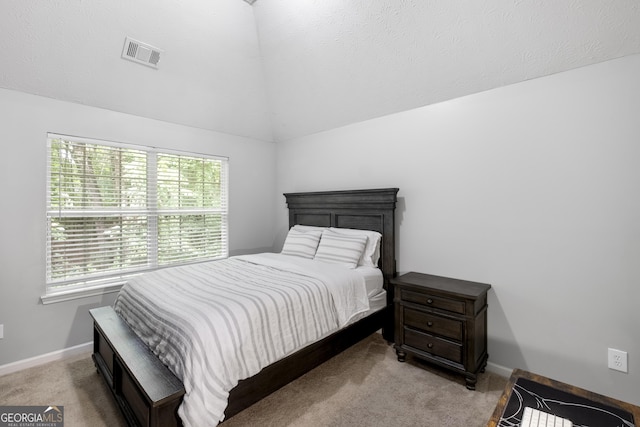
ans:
(149, 394)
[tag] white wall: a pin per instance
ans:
(531, 187)
(31, 329)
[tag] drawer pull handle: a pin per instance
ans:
(429, 323)
(429, 301)
(430, 345)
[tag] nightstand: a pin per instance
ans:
(443, 321)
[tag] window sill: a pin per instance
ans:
(62, 296)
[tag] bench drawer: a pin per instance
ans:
(137, 403)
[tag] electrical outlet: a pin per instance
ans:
(618, 360)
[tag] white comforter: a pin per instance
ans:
(214, 324)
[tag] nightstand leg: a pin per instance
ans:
(484, 364)
(402, 356)
(471, 382)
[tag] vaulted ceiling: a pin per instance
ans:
(280, 69)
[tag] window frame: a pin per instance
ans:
(57, 290)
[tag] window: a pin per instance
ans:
(115, 210)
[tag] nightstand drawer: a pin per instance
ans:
(433, 301)
(433, 345)
(433, 324)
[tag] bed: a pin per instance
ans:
(150, 394)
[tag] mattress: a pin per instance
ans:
(214, 324)
(376, 294)
(373, 280)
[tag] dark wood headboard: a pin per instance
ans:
(360, 209)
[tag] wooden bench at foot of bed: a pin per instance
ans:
(146, 391)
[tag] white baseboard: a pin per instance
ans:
(46, 358)
(503, 371)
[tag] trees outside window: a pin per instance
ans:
(115, 210)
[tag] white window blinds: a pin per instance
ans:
(114, 210)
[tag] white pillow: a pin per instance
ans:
(340, 249)
(371, 253)
(302, 244)
(303, 228)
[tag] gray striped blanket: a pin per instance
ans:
(214, 324)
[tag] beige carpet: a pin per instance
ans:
(364, 386)
(73, 383)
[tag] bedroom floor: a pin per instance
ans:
(364, 386)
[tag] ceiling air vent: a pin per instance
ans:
(141, 53)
